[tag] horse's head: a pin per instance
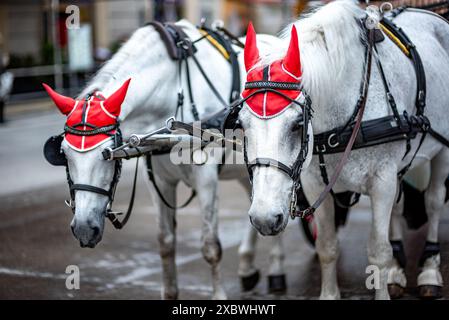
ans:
(273, 117)
(91, 126)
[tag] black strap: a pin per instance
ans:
(113, 216)
(404, 170)
(389, 96)
(209, 83)
(226, 39)
(438, 137)
(158, 191)
(189, 89)
(235, 40)
(86, 187)
(268, 162)
(417, 64)
(361, 103)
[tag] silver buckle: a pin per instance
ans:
(330, 144)
(70, 203)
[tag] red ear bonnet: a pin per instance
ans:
(114, 103)
(288, 69)
(64, 104)
(251, 52)
(98, 112)
(292, 60)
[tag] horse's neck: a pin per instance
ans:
(153, 93)
(337, 108)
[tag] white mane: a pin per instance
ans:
(329, 42)
(141, 47)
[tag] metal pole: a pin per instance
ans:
(57, 63)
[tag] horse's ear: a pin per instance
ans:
(251, 52)
(114, 102)
(64, 104)
(292, 60)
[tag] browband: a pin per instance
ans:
(273, 85)
(97, 130)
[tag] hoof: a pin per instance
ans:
(170, 296)
(250, 282)
(430, 292)
(277, 284)
(395, 291)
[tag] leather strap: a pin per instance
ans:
(268, 162)
(361, 103)
(112, 216)
(158, 191)
(86, 187)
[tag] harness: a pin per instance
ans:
(55, 156)
(355, 133)
(395, 127)
(294, 172)
(180, 48)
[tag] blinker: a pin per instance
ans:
(52, 151)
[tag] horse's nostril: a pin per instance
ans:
(278, 222)
(96, 231)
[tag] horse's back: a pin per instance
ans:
(421, 26)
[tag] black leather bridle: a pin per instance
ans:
(294, 171)
(55, 156)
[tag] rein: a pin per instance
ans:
(361, 103)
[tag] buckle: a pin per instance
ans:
(306, 213)
(70, 203)
(332, 145)
(323, 148)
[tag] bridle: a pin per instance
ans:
(53, 151)
(294, 171)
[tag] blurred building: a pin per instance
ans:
(36, 43)
(35, 38)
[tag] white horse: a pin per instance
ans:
(331, 61)
(151, 99)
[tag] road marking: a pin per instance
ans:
(45, 275)
(148, 285)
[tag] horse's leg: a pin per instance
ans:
(430, 280)
(276, 275)
(397, 280)
(167, 240)
(326, 244)
(382, 194)
(248, 273)
(206, 185)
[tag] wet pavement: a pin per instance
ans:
(36, 244)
